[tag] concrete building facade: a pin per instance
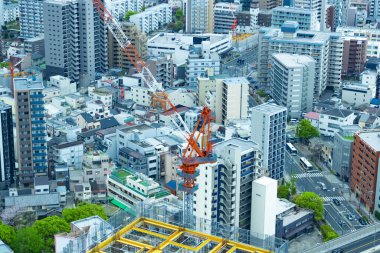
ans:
(307, 19)
(152, 18)
(292, 82)
(31, 129)
(268, 131)
(199, 16)
(7, 152)
(354, 56)
(31, 18)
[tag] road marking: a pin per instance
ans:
(306, 175)
(328, 199)
(363, 245)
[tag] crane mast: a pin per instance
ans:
(198, 148)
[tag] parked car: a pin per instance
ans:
(336, 202)
(349, 216)
(362, 221)
(340, 250)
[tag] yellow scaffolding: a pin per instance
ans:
(218, 244)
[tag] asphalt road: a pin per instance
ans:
(335, 215)
(362, 244)
(233, 68)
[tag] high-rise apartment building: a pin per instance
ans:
(31, 130)
(307, 19)
(325, 48)
(318, 5)
(7, 152)
(225, 187)
(354, 56)
(199, 16)
(117, 57)
(153, 18)
(75, 40)
(268, 131)
(365, 183)
(224, 16)
(31, 18)
(292, 82)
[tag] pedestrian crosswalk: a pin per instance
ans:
(303, 175)
(329, 199)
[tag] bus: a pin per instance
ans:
(305, 163)
(291, 149)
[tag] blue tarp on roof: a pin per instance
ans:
(172, 184)
(375, 101)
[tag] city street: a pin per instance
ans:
(233, 68)
(311, 181)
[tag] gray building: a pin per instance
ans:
(31, 18)
(325, 48)
(7, 152)
(268, 131)
(31, 130)
(75, 40)
(292, 82)
(341, 156)
(306, 18)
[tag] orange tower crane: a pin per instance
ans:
(198, 149)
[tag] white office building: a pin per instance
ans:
(152, 18)
(307, 19)
(292, 82)
(11, 12)
(330, 120)
(263, 215)
(325, 48)
(268, 131)
(356, 94)
(318, 5)
(180, 45)
(199, 61)
(31, 18)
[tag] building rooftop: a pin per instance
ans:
(236, 80)
(312, 115)
(188, 39)
(50, 199)
(41, 180)
(5, 248)
(68, 144)
(21, 84)
(87, 117)
(341, 113)
(372, 138)
(108, 123)
(130, 129)
(293, 60)
(294, 216)
(293, 10)
(283, 205)
(243, 144)
(269, 108)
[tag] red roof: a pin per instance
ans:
(312, 115)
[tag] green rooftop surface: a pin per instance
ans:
(349, 138)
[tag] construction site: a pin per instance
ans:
(159, 227)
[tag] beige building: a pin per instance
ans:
(119, 59)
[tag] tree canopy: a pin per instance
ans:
(83, 210)
(7, 233)
(305, 130)
(28, 240)
(312, 201)
(328, 233)
(129, 14)
(48, 227)
(283, 192)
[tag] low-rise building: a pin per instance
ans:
(128, 188)
(313, 117)
(96, 166)
(331, 120)
(357, 94)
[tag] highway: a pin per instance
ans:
(335, 215)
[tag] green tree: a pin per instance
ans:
(7, 233)
(27, 240)
(292, 185)
(305, 130)
(48, 227)
(179, 14)
(283, 191)
(129, 14)
(311, 201)
(83, 210)
(328, 233)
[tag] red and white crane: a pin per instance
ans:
(198, 149)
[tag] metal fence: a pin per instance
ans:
(171, 214)
(346, 239)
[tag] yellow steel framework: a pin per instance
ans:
(144, 226)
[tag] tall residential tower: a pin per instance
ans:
(7, 152)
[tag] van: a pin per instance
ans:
(323, 186)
